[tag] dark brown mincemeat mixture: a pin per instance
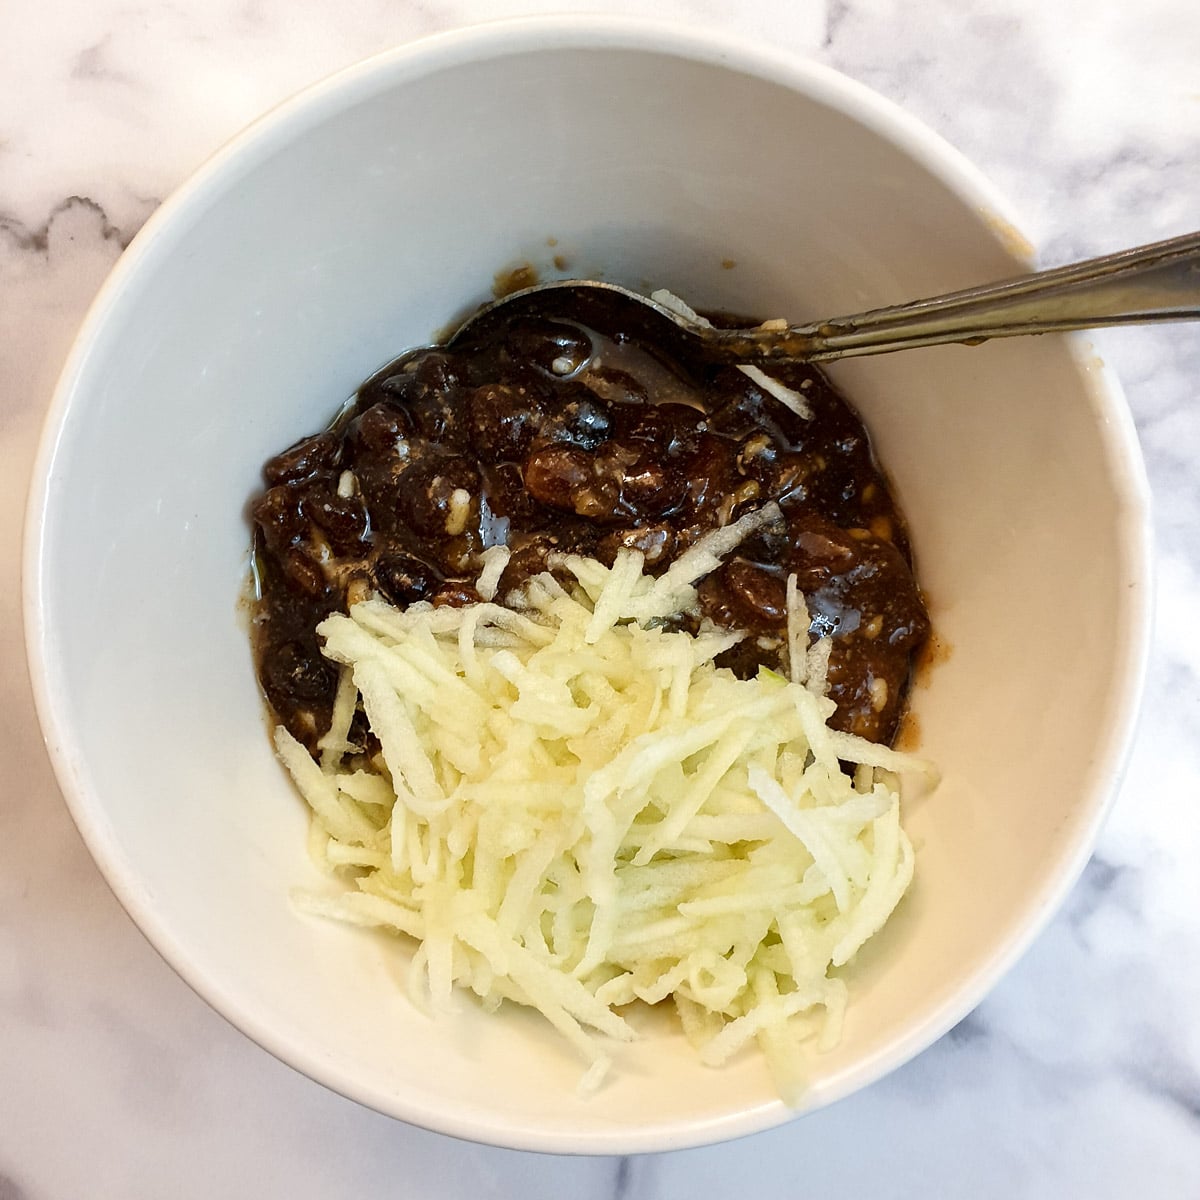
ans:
(567, 429)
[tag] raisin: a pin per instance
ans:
(554, 475)
(502, 420)
(405, 579)
(302, 459)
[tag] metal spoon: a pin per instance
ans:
(1159, 282)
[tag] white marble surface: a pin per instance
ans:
(1079, 1076)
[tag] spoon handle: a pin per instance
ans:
(1159, 282)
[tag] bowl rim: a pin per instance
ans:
(487, 41)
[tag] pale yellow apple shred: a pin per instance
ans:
(574, 809)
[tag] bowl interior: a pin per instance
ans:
(358, 222)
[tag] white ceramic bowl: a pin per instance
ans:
(356, 220)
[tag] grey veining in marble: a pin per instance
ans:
(1078, 1076)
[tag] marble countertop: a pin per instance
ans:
(1078, 1076)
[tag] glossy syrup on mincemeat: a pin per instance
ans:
(570, 424)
